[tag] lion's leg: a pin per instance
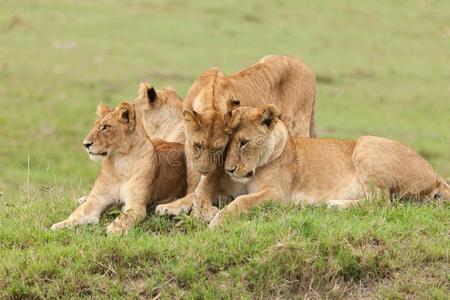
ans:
(192, 175)
(176, 207)
(131, 215)
(88, 212)
(81, 200)
(444, 189)
(202, 207)
(135, 197)
(243, 204)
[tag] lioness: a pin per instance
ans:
(135, 172)
(273, 165)
(160, 110)
(282, 80)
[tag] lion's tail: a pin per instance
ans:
(443, 189)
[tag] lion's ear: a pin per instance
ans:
(269, 115)
(192, 119)
(232, 119)
(102, 110)
(147, 91)
(232, 104)
(125, 113)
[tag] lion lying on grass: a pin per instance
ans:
(160, 110)
(135, 171)
(272, 165)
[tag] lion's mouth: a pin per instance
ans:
(243, 179)
(98, 154)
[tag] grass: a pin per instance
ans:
(382, 70)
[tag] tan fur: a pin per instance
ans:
(162, 116)
(282, 80)
(135, 172)
(302, 170)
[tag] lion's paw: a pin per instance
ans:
(205, 214)
(114, 229)
(217, 220)
(170, 209)
(61, 225)
(81, 200)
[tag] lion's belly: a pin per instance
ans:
(348, 189)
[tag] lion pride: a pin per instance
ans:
(282, 80)
(272, 165)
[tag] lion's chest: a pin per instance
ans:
(123, 169)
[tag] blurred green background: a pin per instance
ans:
(382, 66)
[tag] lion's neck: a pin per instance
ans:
(137, 148)
(165, 124)
(278, 141)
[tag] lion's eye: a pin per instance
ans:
(197, 146)
(104, 127)
(243, 143)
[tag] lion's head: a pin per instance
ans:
(252, 142)
(111, 132)
(208, 137)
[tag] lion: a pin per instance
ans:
(161, 112)
(135, 171)
(282, 80)
(272, 165)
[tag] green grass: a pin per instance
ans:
(382, 68)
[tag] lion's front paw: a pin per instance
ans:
(81, 200)
(63, 224)
(114, 229)
(205, 213)
(171, 209)
(217, 220)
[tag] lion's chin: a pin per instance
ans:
(96, 157)
(241, 179)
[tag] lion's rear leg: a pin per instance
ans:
(443, 189)
(386, 168)
(372, 191)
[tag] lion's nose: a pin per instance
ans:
(87, 145)
(231, 170)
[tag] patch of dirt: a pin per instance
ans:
(136, 286)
